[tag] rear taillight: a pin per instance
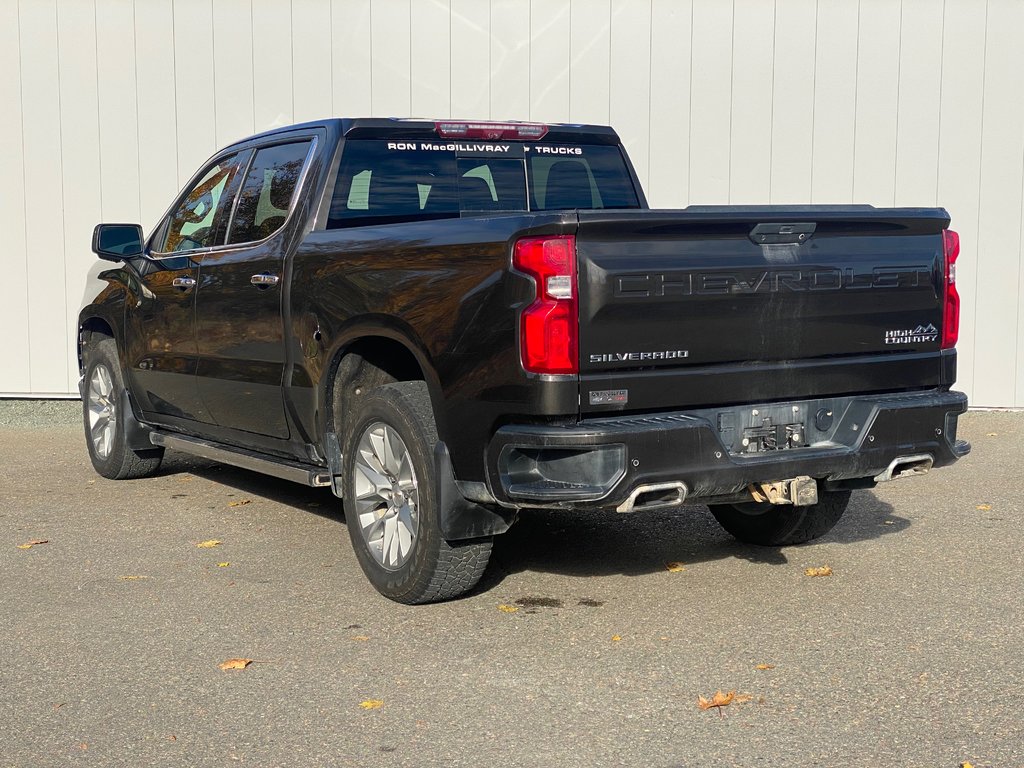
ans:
(950, 298)
(549, 327)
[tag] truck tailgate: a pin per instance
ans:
(718, 305)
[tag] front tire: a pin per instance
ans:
(778, 525)
(391, 508)
(104, 423)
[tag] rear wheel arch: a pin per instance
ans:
(367, 362)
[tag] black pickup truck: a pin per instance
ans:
(448, 322)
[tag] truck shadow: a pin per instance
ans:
(320, 501)
(608, 543)
(596, 543)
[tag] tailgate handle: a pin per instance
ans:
(796, 232)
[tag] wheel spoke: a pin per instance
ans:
(369, 479)
(98, 422)
(388, 458)
(387, 541)
(372, 523)
(96, 414)
(106, 386)
(406, 476)
(405, 532)
(374, 440)
(407, 518)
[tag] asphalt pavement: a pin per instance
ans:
(585, 645)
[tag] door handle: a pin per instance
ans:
(183, 282)
(264, 280)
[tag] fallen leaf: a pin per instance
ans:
(58, 706)
(33, 543)
(371, 704)
(235, 664)
(983, 507)
(717, 701)
(239, 503)
(209, 544)
(223, 565)
(966, 764)
(765, 666)
(616, 638)
(132, 578)
(508, 608)
(674, 567)
(172, 737)
(361, 638)
(83, 746)
(822, 571)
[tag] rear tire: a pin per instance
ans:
(778, 525)
(391, 507)
(104, 423)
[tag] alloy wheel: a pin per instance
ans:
(386, 495)
(102, 411)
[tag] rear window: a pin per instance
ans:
(381, 182)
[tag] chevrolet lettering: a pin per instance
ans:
(769, 281)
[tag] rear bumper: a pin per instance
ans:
(600, 462)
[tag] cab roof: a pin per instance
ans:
(423, 129)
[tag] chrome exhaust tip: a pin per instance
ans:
(654, 496)
(906, 466)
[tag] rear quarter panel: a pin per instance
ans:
(443, 288)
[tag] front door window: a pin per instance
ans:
(201, 219)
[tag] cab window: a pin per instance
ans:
(267, 191)
(202, 216)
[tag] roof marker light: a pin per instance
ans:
(455, 129)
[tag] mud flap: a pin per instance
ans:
(459, 517)
(136, 434)
(333, 446)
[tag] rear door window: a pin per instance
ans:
(268, 190)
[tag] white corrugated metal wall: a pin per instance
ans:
(109, 105)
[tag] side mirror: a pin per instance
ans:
(116, 242)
